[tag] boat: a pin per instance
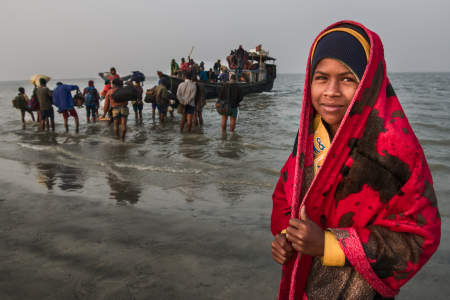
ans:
(134, 76)
(261, 79)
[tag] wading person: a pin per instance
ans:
(21, 102)
(162, 99)
(62, 98)
(138, 105)
(231, 95)
(200, 102)
(354, 212)
(91, 101)
(119, 110)
(44, 96)
(186, 95)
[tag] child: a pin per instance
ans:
(354, 211)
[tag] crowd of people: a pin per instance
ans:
(239, 64)
(188, 101)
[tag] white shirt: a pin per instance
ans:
(186, 92)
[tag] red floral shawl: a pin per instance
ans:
(374, 191)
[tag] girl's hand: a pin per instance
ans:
(305, 236)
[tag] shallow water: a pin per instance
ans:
(214, 177)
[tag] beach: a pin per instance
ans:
(174, 216)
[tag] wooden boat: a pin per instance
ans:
(256, 86)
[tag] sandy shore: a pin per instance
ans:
(68, 248)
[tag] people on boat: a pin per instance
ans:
(21, 102)
(212, 76)
(119, 110)
(113, 73)
(138, 105)
(203, 74)
(354, 211)
(184, 66)
(230, 95)
(91, 101)
(186, 95)
(47, 114)
(174, 67)
(224, 74)
(62, 98)
(217, 67)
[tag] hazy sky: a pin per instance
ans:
(79, 38)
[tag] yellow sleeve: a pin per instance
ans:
(333, 256)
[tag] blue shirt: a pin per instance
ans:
(62, 98)
(203, 75)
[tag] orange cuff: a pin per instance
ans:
(333, 256)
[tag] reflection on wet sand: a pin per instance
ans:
(194, 146)
(123, 191)
(70, 178)
(231, 146)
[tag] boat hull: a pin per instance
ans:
(213, 88)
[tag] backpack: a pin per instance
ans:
(90, 97)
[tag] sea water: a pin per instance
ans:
(227, 178)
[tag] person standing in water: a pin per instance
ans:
(231, 95)
(44, 95)
(119, 110)
(138, 105)
(91, 101)
(21, 102)
(354, 212)
(186, 95)
(62, 98)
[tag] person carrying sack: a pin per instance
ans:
(21, 102)
(230, 95)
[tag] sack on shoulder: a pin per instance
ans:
(181, 109)
(150, 96)
(222, 107)
(78, 99)
(15, 103)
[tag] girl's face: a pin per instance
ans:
(332, 88)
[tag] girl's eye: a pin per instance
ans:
(320, 77)
(348, 79)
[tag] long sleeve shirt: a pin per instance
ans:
(186, 92)
(62, 98)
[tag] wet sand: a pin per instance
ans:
(67, 247)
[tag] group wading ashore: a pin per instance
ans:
(185, 90)
(354, 212)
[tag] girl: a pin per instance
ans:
(354, 212)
